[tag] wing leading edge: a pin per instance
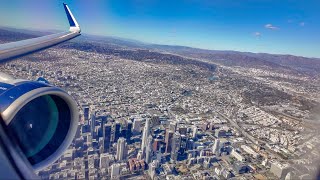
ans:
(20, 48)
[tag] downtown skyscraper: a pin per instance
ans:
(121, 149)
(145, 135)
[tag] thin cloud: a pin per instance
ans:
(270, 26)
(257, 34)
(302, 24)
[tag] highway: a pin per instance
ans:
(248, 136)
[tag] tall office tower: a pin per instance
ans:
(115, 171)
(183, 144)
(99, 131)
(194, 132)
(173, 126)
(104, 120)
(105, 160)
(145, 135)
(117, 132)
(168, 140)
(152, 169)
(121, 149)
(92, 109)
(149, 150)
(176, 141)
(129, 131)
(106, 137)
(86, 110)
(136, 126)
(216, 147)
(156, 144)
(93, 124)
(159, 156)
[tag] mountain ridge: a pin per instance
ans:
(225, 57)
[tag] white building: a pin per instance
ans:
(121, 149)
(216, 147)
(145, 135)
(194, 131)
(280, 170)
(136, 126)
(115, 171)
(238, 156)
(250, 151)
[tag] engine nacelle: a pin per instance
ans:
(42, 119)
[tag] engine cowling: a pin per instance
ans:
(41, 118)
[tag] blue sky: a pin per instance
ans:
(282, 26)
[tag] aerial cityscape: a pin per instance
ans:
(166, 112)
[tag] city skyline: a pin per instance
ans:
(287, 27)
(149, 114)
(128, 110)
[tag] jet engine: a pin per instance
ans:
(40, 118)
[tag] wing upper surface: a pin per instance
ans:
(16, 49)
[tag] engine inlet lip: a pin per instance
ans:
(9, 113)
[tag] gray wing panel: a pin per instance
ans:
(20, 48)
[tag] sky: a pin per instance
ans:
(270, 26)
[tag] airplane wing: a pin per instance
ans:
(16, 160)
(16, 49)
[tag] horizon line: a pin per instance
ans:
(151, 43)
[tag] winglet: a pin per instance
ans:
(74, 26)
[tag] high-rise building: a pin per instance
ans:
(152, 169)
(194, 132)
(176, 141)
(117, 131)
(106, 136)
(92, 110)
(93, 124)
(86, 110)
(156, 144)
(183, 144)
(216, 147)
(145, 135)
(149, 150)
(173, 126)
(121, 149)
(159, 156)
(136, 126)
(115, 171)
(104, 120)
(129, 131)
(105, 160)
(280, 169)
(168, 140)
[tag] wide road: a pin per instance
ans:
(248, 136)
